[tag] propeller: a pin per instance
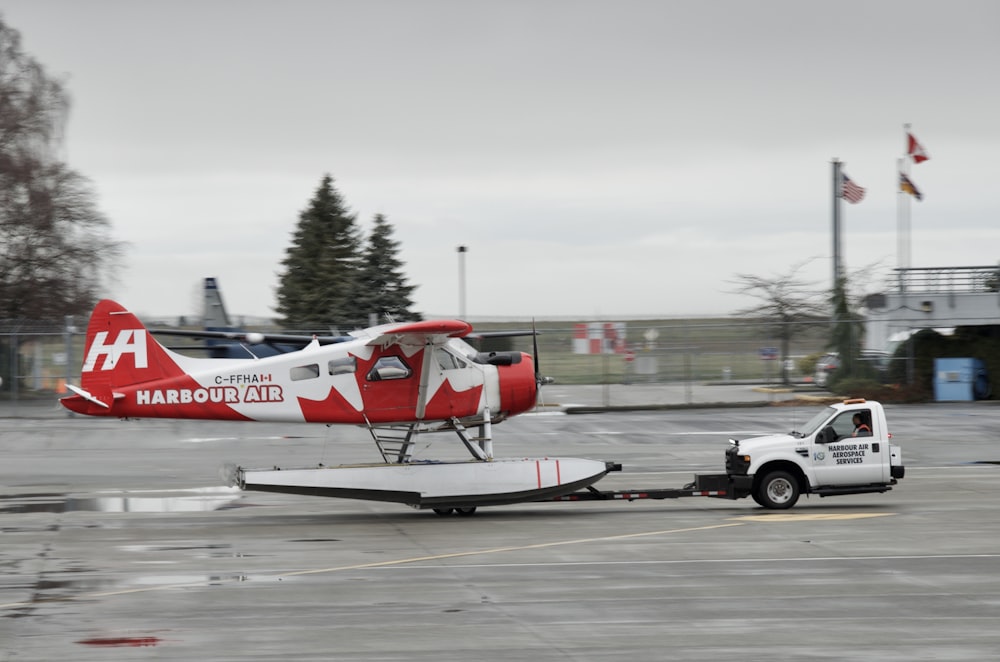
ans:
(540, 380)
(534, 353)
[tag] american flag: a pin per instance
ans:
(850, 191)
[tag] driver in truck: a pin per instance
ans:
(861, 429)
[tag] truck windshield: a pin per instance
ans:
(816, 421)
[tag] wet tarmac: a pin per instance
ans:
(119, 540)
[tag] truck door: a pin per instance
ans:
(841, 458)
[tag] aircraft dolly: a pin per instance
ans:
(719, 486)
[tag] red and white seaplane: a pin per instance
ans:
(397, 380)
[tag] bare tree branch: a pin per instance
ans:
(786, 304)
(56, 247)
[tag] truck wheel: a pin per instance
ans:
(777, 490)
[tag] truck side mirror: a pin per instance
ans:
(826, 435)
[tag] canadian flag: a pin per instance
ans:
(915, 150)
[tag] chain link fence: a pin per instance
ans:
(40, 359)
(717, 350)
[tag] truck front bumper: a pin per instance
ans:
(734, 487)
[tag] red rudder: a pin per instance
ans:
(119, 352)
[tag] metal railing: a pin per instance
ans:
(943, 280)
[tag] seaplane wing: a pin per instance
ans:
(419, 334)
(228, 341)
(253, 337)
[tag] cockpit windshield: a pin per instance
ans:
(463, 348)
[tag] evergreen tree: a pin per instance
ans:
(845, 336)
(847, 333)
(319, 284)
(382, 289)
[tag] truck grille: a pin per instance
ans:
(735, 464)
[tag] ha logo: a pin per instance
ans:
(129, 341)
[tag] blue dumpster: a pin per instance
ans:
(960, 380)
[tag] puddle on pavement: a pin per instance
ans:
(184, 501)
(120, 642)
(167, 581)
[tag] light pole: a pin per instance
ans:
(462, 250)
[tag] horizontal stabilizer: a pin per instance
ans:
(88, 397)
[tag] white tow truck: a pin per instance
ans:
(843, 449)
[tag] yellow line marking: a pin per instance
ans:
(364, 566)
(500, 550)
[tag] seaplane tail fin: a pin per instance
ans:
(119, 352)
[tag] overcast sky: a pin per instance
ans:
(599, 159)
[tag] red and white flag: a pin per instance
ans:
(915, 150)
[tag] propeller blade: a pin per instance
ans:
(534, 346)
(539, 378)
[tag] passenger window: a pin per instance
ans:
(389, 367)
(298, 373)
(344, 366)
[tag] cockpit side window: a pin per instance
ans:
(389, 367)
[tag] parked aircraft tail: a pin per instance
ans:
(217, 320)
(214, 311)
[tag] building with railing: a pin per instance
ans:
(932, 298)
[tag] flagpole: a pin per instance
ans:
(903, 238)
(903, 205)
(907, 200)
(900, 229)
(836, 222)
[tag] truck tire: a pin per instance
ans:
(777, 490)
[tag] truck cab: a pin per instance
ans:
(843, 449)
